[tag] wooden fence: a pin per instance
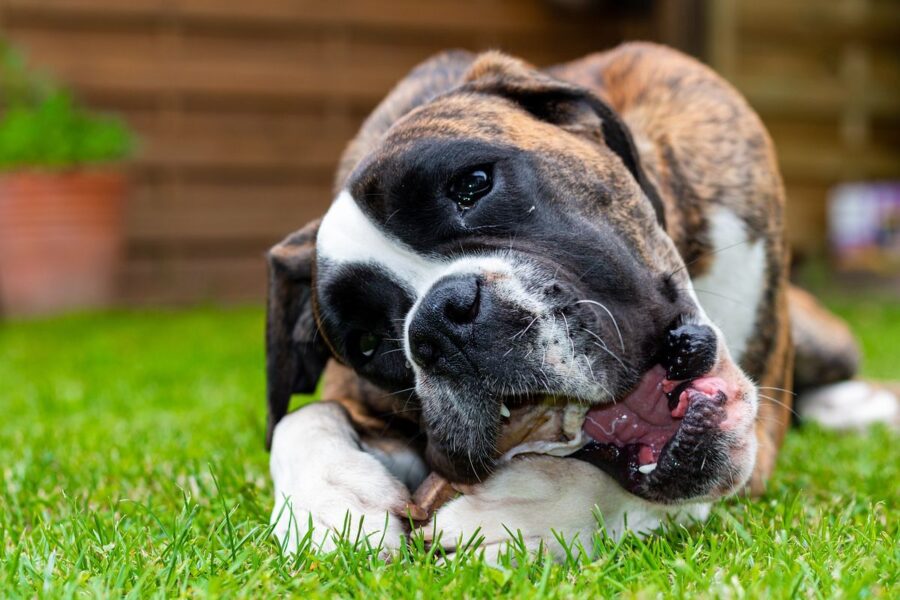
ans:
(825, 77)
(243, 107)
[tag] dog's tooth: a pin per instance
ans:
(647, 469)
(504, 410)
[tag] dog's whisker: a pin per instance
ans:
(391, 216)
(389, 394)
(769, 387)
(779, 402)
(386, 352)
(708, 253)
(587, 361)
(605, 347)
(527, 327)
(611, 316)
(568, 335)
(723, 296)
(611, 353)
(471, 464)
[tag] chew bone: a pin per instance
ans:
(547, 427)
(433, 493)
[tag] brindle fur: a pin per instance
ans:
(700, 145)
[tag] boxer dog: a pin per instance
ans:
(608, 232)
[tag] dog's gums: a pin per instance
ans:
(642, 418)
(630, 438)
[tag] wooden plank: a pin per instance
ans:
(774, 94)
(152, 281)
(143, 67)
(680, 25)
(442, 15)
(222, 211)
(803, 20)
(721, 36)
(801, 161)
(816, 60)
(243, 140)
(136, 64)
(139, 64)
(434, 16)
(817, 132)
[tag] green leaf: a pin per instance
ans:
(41, 125)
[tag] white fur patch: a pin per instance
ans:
(849, 405)
(323, 479)
(732, 289)
(542, 496)
(347, 235)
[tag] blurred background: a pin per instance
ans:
(231, 116)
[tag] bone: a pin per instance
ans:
(546, 427)
(433, 493)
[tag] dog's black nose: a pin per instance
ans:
(689, 351)
(445, 318)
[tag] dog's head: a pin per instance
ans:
(500, 243)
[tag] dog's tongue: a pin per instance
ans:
(642, 417)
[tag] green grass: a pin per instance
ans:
(132, 464)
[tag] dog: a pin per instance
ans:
(609, 232)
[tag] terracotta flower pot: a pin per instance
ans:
(60, 240)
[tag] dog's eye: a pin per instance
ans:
(468, 188)
(368, 344)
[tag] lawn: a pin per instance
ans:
(132, 464)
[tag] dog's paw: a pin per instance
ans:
(530, 503)
(850, 405)
(326, 486)
(557, 505)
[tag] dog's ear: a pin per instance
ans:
(295, 351)
(566, 105)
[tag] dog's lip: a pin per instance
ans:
(643, 417)
(628, 439)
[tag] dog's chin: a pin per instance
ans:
(676, 441)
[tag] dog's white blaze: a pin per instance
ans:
(732, 288)
(347, 235)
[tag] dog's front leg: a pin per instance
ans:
(325, 479)
(544, 499)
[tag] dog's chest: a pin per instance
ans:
(732, 288)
